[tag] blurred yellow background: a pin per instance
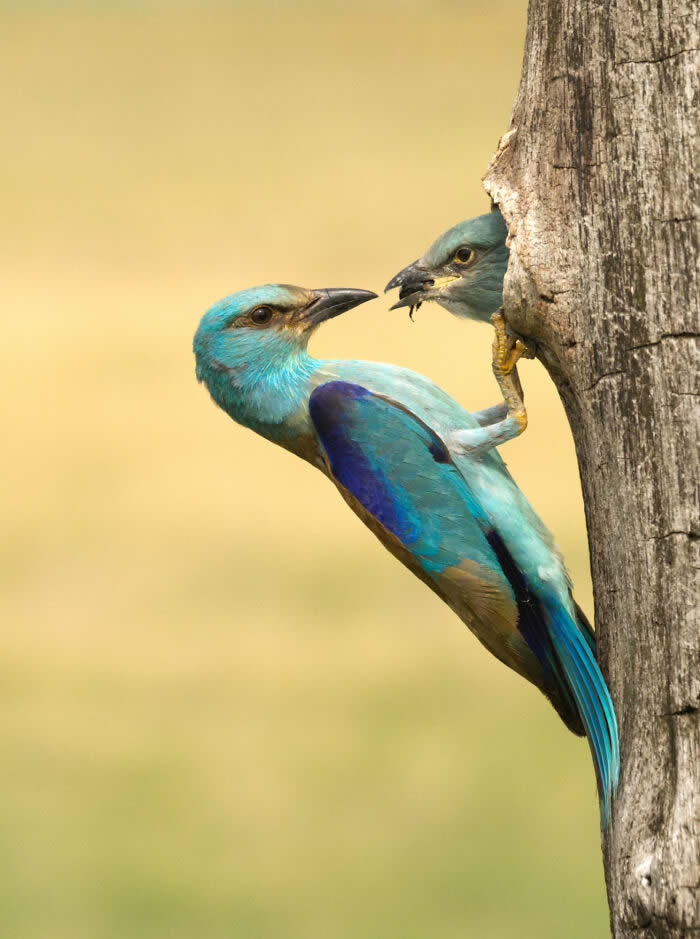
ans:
(225, 709)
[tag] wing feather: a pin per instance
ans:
(399, 474)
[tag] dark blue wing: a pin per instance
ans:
(401, 472)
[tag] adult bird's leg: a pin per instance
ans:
(506, 352)
(497, 412)
(507, 349)
(490, 415)
(500, 422)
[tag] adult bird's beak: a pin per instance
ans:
(414, 282)
(330, 302)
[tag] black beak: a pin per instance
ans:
(412, 281)
(332, 301)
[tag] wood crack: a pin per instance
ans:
(683, 711)
(657, 60)
(662, 338)
(674, 534)
(605, 375)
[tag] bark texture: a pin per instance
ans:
(597, 181)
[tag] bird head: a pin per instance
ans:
(462, 270)
(254, 341)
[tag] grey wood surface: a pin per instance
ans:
(598, 181)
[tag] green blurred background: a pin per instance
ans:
(225, 709)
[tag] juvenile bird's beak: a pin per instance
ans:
(330, 302)
(414, 283)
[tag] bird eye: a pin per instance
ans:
(464, 255)
(261, 315)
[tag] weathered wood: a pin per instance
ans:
(597, 181)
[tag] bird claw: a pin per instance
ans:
(507, 349)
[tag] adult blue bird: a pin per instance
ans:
(423, 475)
(463, 271)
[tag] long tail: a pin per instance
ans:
(568, 651)
(572, 646)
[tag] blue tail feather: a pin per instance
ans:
(593, 699)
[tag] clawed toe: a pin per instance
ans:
(507, 349)
(527, 349)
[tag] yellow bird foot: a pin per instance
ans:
(520, 416)
(507, 349)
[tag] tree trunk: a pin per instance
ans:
(596, 181)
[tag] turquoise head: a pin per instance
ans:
(250, 347)
(462, 270)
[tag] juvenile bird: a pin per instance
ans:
(463, 271)
(423, 475)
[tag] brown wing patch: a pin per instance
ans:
(484, 596)
(484, 601)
